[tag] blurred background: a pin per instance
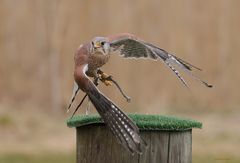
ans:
(38, 39)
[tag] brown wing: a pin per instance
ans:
(129, 46)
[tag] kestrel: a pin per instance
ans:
(91, 56)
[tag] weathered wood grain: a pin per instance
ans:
(159, 146)
(96, 144)
(83, 145)
(145, 157)
(180, 147)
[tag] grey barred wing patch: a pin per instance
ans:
(130, 48)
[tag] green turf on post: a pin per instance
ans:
(144, 122)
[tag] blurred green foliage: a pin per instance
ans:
(5, 120)
(70, 158)
(212, 159)
(46, 158)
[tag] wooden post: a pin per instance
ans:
(96, 144)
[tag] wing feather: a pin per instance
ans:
(132, 47)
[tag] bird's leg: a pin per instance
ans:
(108, 80)
(75, 91)
(103, 77)
(79, 105)
(95, 81)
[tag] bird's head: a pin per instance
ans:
(100, 44)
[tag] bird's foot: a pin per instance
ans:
(105, 78)
(108, 80)
(95, 81)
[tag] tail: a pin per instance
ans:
(119, 123)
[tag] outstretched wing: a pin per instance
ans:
(129, 46)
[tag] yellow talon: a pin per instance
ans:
(104, 78)
(104, 75)
(107, 83)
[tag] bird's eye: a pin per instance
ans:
(102, 43)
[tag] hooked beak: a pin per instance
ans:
(97, 45)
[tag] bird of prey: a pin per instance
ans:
(91, 56)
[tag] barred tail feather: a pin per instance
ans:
(119, 123)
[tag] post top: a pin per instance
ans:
(143, 121)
